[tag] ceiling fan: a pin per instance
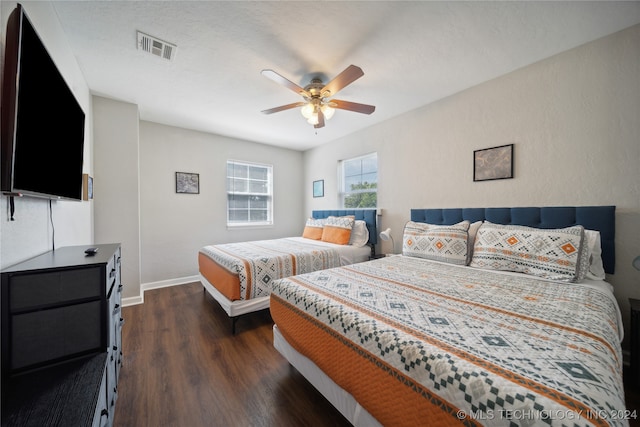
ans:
(318, 104)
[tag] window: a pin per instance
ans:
(249, 194)
(359, 182)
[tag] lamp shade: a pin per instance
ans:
(636, 263)
(386, 234)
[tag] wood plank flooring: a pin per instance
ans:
(182, 367)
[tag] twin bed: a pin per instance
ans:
(239, 275)
(448, 333)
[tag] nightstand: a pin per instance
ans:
(635, 341)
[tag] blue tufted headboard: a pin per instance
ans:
(367, 215)
(601, 218)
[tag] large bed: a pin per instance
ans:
(239, 275)
(442, 335)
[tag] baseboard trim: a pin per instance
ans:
(170, 282)
(133, 300)
(157, 285)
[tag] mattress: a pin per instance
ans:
(245, 270)
(414, 340)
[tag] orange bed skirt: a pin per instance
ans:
(227, 283)
(392, 398)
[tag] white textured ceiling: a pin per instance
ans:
(412, 53)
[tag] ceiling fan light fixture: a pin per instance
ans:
(317, 107)
(327, 111)
(308, 110)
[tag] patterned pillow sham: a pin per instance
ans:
(313, 228)
(337, 229)
(446, 243)
(556, 254)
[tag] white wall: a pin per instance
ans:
(32, 233)
(161, 231)
(575, 122)
(116, 185)
(175, 226)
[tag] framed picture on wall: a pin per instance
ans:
(188, 183)
(87, 187)
(493, 163)
(318, 188)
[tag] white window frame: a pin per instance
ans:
(230, 193)
(344, 192)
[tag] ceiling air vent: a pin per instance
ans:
(156, 46)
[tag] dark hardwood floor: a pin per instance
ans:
(182, 367)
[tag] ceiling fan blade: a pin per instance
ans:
(283, 107)
(272, 75)
(348, 76)
(352, 106)
(320, 119)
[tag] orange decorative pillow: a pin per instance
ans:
(313, 229)
(337, 229)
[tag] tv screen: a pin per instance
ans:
(44, 127)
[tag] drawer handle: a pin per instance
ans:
(112, 272)
(104, 412)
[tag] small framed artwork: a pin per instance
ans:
(318, 188)
(87, 187)
(493, 163)
(188, 183)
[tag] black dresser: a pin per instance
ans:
(61, 338)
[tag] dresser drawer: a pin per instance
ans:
(48, 335)
(41, 289)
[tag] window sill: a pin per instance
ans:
(248, 226)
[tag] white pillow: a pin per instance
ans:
(596, 268)
(473, 230)
(359, 234)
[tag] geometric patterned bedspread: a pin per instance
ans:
(440, 344)
(258, 263)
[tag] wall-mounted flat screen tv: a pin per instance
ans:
(42, 122)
